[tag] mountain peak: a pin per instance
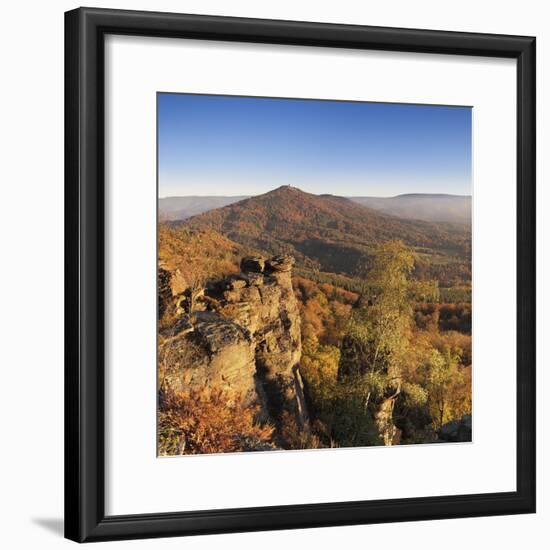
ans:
(288, 191)
(326, 232)
(285, 190)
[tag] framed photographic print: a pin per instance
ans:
(300, 274)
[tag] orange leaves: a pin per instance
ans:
(205, 422)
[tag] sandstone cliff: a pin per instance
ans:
(241, 334)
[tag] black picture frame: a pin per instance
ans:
(85, 29)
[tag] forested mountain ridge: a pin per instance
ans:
(326, 232)
(435, 207)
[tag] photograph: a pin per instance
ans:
(291, 262)
(314, 274)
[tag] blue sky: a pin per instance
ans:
(225, 145)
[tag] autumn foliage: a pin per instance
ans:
(203, 422)
(386, 321)
(392, 354)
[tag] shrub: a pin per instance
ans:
(200, 422)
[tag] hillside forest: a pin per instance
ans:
(292, 321)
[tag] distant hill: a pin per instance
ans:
(326, 232)
(419, 206)
(181, 208)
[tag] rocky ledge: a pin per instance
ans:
(243, 335)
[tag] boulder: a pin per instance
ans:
(251, 278)
(459, 430)
(282, 263)
(235, 283)
(255, 264)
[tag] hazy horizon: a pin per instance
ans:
(295, 187)
(242, 146)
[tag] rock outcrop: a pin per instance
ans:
(459, 430)
(244, 336)
(383, 418)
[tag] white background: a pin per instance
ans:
(32, 350)
(230, 481)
